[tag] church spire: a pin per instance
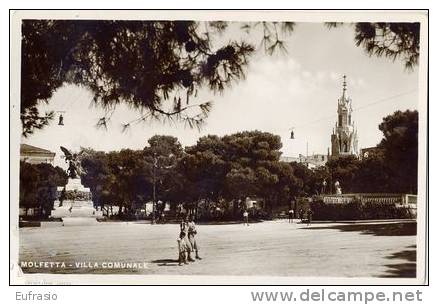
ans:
(344, 86)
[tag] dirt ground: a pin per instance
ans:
(272, 248)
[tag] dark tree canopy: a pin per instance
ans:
(141, 63)
(393, 40)
(396, 40)
(158, 67)
(393, 167)
(400, 145)
(38, 184)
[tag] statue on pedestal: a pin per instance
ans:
(73, 170)
(338, 188)
(74, 199)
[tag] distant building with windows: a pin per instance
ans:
(313, 161)
(35, 155)
(370, 152)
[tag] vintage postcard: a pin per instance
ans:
(218, 147)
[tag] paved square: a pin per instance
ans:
(274, 248)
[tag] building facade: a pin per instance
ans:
(368, 152)
(311, 162)
(36, 155)
(344, 139)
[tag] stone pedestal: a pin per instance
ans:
(74, 184)
(77, 202)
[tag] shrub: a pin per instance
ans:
(357, 211)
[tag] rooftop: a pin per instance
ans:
(29, 149)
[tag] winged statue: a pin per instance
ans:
(73, 162)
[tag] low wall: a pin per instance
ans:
(366, 205)
(399, 199)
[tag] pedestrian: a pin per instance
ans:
(62, 197)
(183, 248)
(245, 218)
(192, 237)
(309, 217)
(291, 215)
(301, 214)
(184, 226)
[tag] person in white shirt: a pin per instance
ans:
(191, 234)
(291, 215)
(184, 226)
(245, 218)
(183, 248)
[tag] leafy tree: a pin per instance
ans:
(38, 184)
(158, 67)
(133, 178)
(162, 156)
(393, 40)
(400, 146)
(120, 179)
(242, 182)
(97, 175)
(240, 165)
(205, 172)
(344, 170)
(393, 167)
(373, 176)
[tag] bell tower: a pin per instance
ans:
(344, 135)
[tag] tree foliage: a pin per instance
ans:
(158, 67)
(400, 146)
(394, 165)
(232, 167)
(395, 40)
(38, 184)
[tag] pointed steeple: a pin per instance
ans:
(344, 86)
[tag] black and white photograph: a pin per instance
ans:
(218, 147)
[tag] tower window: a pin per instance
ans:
(340, 120)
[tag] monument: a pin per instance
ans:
(74, 200)
(344, 137)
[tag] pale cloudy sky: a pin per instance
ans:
(298, 89)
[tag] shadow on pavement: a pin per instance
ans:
(381, 229)
(165, 262)
(227, 222)
(407, 269)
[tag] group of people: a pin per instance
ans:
(187, 241)
(308, 215)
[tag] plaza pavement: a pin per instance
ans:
(275, 248)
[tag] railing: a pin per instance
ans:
(381, 198)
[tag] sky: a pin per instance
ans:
(297, 90)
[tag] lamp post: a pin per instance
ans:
(154, 182)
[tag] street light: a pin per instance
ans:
(154, 183)
(61, 118)
(154, 180)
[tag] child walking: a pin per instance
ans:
(183, 248)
